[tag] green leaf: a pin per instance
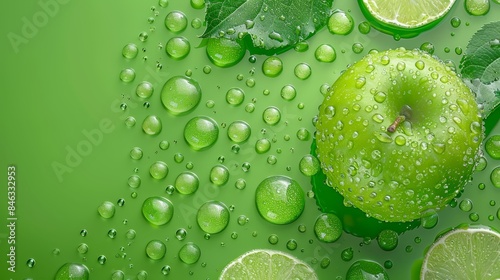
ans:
(482, 56)
(487, 95)
(267, 25)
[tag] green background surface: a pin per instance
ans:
(61, 83)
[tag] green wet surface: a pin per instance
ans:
(61, 107)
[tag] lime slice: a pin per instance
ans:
(465, 253)
(406, 18)
(267, 264)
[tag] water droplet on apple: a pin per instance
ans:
(438, 147)
(383, 137)
(400, 140)
(378, 118)
(360, 82)
(380, 96)
(385, 60)
(329, 112)
(420, 65)
(401, 66)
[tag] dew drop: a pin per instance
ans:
(223, 52)
(156, 249)
(387, 240)
(340, 23)
(187, 182)
(177, 47)
(130, 51)
(279, 199)
(325, 53)
(201, 132)
(189, 253)
(302, 71)
(213, 217)
(176, 21)
(127, 75)
(262, 146)
(235, 96)
(328, 227)
(271, 115)
(272, 66)
(157, 210)
(72, 271)
(477, 7)
(492, 146)
(158, 170)
(219, 175)
(152, 125)
(239, 131)
(106, 209)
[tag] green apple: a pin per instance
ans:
(398, 134)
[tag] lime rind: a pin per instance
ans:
(267, 264)
(405, 19)
(464, 253)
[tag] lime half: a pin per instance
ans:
(405, 18)
(264, 264)
(464, 253)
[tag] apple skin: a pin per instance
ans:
(421, 166)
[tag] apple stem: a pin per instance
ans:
(403, 115)
(396, 123)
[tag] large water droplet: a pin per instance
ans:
(152, 125)
(201, 132)
(224, 52)
(279, 199)
(328, 227)
(288, 92)
(157, 210)
(387, 240)
(187, 182)
(365, 269)
(106, 209)
(158, 170)
(235, 96)
(492, 146)
(176, 21)
(272, 66)
(219, 175)
(130, 51)
(477, 7)
(74, 271)
(189, 253)
(213, 217)
(325, 53)
(271, 115)
(239, 131)
(156, 249)
(309, 165)
(302, 71)
(180, 95)
(340, 23)
(177, 47)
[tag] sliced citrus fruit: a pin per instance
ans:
(263, 264)
(405, 18)
(464, 253)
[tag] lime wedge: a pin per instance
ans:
(464, 253)
(406, 18)
(264, 264)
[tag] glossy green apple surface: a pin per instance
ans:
(398, 134)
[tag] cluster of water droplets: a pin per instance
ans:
(162, 97)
